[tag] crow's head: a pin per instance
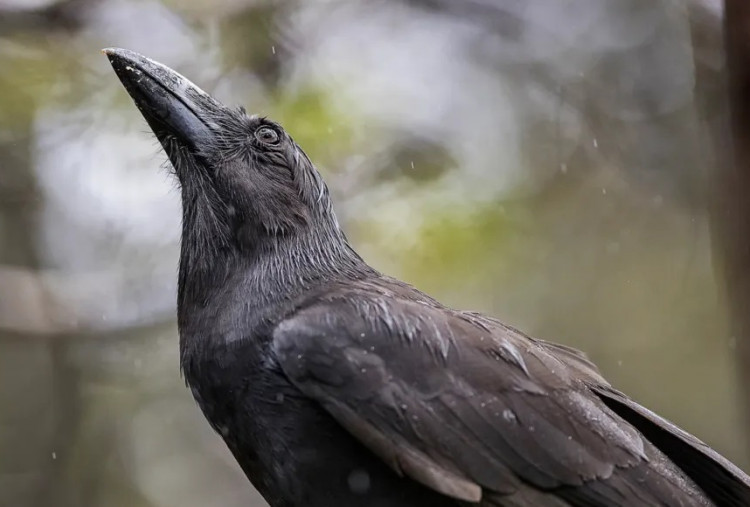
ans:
(253, 204)
(243, 179)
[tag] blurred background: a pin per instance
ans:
(548, 162)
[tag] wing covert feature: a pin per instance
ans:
(467, 406)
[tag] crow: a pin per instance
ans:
(334, 385)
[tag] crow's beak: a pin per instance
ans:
(172, 105)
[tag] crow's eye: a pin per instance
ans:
(267, 135)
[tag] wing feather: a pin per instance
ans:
(466, 405)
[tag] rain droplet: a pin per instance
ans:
(508, 415)
(359, 481)
(273, 49)
(54, 455)
(279, 397)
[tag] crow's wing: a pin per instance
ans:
(466, 405)
(724, 482)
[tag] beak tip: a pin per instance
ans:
(112, 53)
(121, 54)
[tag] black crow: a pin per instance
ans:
(335, 385)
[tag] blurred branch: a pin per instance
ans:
(733, 207)
(25, 303)
(19, 16)
(48, 302)
(493, 16)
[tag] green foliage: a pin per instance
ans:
(460, 244)
(310, 117)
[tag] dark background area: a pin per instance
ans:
(552, 163)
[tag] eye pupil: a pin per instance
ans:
(267, 135)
